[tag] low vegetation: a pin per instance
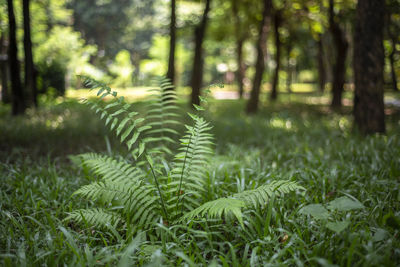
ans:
(347, 215)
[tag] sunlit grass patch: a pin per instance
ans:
(130, 93)
(290, 139)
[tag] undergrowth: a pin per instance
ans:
(285, 141)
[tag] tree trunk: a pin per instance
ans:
(393, 38)
(339, 67)
(252, 104)
(321, 66)
(368, 67)
(18, 101)
(392, 68)
(172, 43)
(240, 38)
(5, 96)
(241, 67)
(275, 81)
(198, 62)
(30, 79)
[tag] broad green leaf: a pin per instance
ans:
(316, 210)
(337, 226)
(344, 204)
(379, 235)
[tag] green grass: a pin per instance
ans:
(297, 139)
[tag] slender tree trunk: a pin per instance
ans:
(5, 96)
(368, 67)
(392, 69)
(278, 44)
(240, 74)
(339, 67)
(321, 66)
(30, 77)
(252, 104)
(172, 43)
(18, 101)
(393, 40)
(240, 38)
(198, 62)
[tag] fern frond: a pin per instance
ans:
(188, 174)
(162, 117)
(92, 84)
(110, 169)
(246, 199)
(138, 201)
(217, 208)
(128, 129)
(96, 217)
(261, 195)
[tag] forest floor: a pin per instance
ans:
(298, 138)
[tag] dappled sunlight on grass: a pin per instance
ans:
(57, 129)
(291, 139)
(131, 93)
(280, 123)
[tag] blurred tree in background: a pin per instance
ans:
(251, 45)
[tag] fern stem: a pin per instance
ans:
(158, 188)
(183, 170)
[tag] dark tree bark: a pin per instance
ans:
(368, 67)
(18, 101)
(278, 44)
(392, 68)
(240, 74)
(172, 43)
(393, 39)
(321, 66)
(198, 62)
(240, 38)
(339, 66)
(5, 95)
(252, 104)
(30, 77)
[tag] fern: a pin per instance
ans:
(260, 196)
(249, 199)
(162, 117)
(154, 188)
(218, 208)
(188, 175)
(95, 217)
(132, 129)
(110, 169)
